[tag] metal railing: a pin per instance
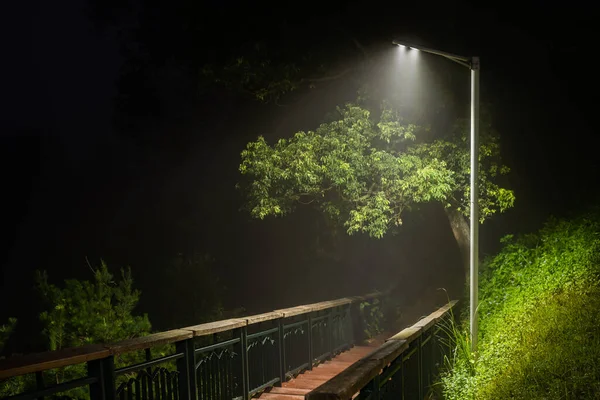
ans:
(230, 359)
(402, 368)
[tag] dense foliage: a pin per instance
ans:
(539, 320)
(84, 312)
(363, 173)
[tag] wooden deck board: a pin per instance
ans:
(309, 380)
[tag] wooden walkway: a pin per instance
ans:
(296, 388)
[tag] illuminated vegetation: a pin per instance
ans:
(363, 173)
(80, 313)
(539, 320)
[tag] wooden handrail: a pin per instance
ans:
(30, 363)
(346, 384)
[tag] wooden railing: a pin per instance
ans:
(403, 368)
(230, 359)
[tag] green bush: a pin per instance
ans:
(539, 332)
(373, 318)
(80, 313)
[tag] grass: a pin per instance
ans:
(539, 313)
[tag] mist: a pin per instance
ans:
(81, 188)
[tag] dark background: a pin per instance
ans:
(110, 150)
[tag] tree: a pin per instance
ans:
(82, 313)
(12, 386)
(363, 173)
(85, 312)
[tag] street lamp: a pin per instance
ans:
(473, 64)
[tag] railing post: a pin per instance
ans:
(186, 366)
(330, 332)
(244, 357)
(372, 388)
(420, 364)
(39, 382)
(104, 370)
(402, 384)
(281, 338)
(310, 343)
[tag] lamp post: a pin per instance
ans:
(473, 64)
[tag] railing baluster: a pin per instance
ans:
(205, 376)
(244, 358)
(373, 388)
(281, 346)
(310, 343)
(156, 378)
(104, 370)
(330, 334)
(39, 382)
(138, 390)
(420, 365)
(186, 367)
(169, 381)
(163, 383)
(229, 377)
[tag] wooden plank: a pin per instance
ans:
(321, 376)
(339, 363)
(148, 341)
(388, 352)
(316, 380)
(325, 370)
(317, 371)
(216, 327)
(350, 358)
(373, 295)
(255, 319)
(283, 390)
(407, 334)
(277, 396)
(20, 365)
(347, 383)
(356, 299)
(302, 384)
(330, 304)
(427, 322)
(293, 311)
(347, 300)
(447, 307)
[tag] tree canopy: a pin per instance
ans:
(364, 172)
(86, 312)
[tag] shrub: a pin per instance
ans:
(539, 332)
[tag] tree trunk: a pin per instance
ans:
(461, 231)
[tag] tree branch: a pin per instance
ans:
(368, 193)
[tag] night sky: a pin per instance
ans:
(86, 174)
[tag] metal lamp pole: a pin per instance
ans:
(473, 64)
